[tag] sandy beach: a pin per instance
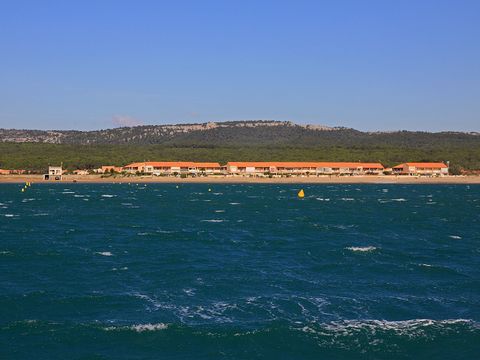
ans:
(239, 179)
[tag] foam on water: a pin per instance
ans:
(104, 253)
(416, 328)
(361, 248)
(139, 327)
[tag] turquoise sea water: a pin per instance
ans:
(135, 271)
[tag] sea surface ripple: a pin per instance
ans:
(239, 271)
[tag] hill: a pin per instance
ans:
(237, 133)
(238, 140)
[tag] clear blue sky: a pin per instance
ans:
(370, 65)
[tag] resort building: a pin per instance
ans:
(209, 168)
(54, 173)
(108, 168)
(303, 168)
(12, 172)
(174, 168)
(421, 168)
(80, 172)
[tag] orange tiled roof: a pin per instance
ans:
(170, 163)
(207, 164)
(174, 164)
(134, 165)
(306, 164)
(426, 165)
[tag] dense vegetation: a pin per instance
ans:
(37, 156)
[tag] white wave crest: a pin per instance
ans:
(425, 265)
(104, 253)
(396, 326)
(139, 327)
(361, 248)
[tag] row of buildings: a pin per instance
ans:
(283, 168)
(12, 172)
(245, 168)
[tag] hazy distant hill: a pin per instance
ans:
(239, 133)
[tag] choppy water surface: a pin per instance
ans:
(242, 271)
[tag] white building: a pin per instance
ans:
(54, 173)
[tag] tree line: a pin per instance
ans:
(36, 157)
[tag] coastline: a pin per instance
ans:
(370, 179)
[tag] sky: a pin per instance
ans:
(369, 65)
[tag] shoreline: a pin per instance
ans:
(370, 179)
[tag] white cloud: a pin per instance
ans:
(123, 120)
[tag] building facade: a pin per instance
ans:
(421, 168)
(160, 168)
(54, 173)
(303, 168)
(108, 168)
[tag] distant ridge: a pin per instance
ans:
(143, 134)
(236, 133)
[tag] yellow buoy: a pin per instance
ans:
(301, 194)
(23, 190)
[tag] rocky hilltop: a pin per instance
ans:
(143, 134)
(236, 133)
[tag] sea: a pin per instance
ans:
(239, 271)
